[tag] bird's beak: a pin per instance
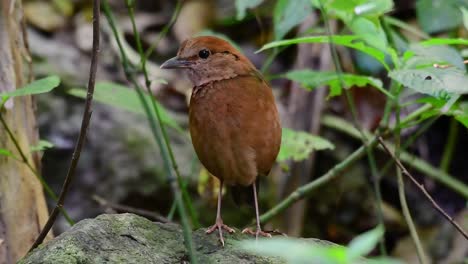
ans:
(175, 63)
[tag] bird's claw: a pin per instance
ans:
(220, 226)
(256, 233)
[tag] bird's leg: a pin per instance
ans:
(259, 231)
(219, 221)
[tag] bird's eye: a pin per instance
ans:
(204, 53)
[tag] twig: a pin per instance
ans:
(83, 130)
(422, 256)
(124, 208)
(423, 189)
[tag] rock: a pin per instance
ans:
(128, 238)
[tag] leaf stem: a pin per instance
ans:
(449, 146)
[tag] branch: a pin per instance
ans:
(304, 190)
(83, 130)
(423, 189)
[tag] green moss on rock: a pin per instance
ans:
(128, 238)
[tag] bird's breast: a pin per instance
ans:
(235, 129)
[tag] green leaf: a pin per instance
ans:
(374, 8)
(5, 152)
(289, 14)
(295, 250)
(350, 41)
(298, 145)
(243, 5)
(458, 110)
(42, 145)
(343, 6)
(364, 243)
(439, 15)
(465, 16)
(428, 55)
(312, 79)
(371, 32)
(124, 98)
(437, 82)
(445, 41)
(462, 115)
(36, 87)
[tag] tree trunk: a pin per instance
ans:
(23, 210)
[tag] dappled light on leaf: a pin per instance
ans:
(297, 145)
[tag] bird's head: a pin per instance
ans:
(209, 59)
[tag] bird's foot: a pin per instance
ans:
(220, 226)
(256, 233)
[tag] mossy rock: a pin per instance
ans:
(128, 238)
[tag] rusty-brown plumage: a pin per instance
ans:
(234, 122)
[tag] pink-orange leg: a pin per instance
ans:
(259, 231)
(219, 221)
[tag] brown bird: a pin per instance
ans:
(233, 119)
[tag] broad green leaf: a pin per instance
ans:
(124, 98)
(42, 145)
(312, 79)
(350, 41)
(43, 85)
(299, 251)
(374, 8)
(5, 152)
(367, 27)
(459, 111)
(465, 16)
(428, 55)
(289, 14)
(298, 145)
(462, 114)
(295, 250)
(243, 5)
(439, 15)
(364, 243)
(344, 6)
(437, 82)
(347, 10)
(371, 32)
